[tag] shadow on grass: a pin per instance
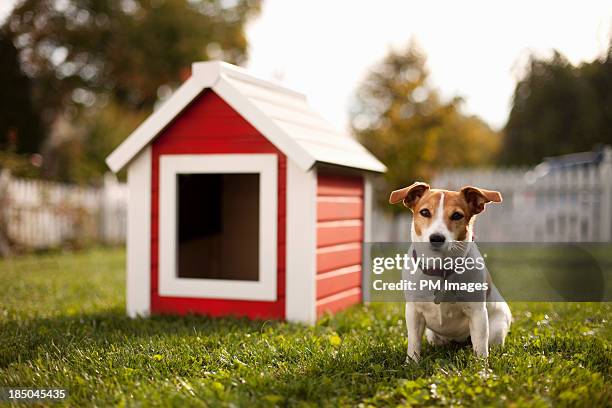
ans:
(23, 340)
(280, 358)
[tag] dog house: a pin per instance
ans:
(243, 201)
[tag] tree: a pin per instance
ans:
(127, 48)
(81, 56)
(401, 119)
(76, 150)
(559, 108)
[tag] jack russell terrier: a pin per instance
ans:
(442, 221)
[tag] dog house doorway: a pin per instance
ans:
(218, 220)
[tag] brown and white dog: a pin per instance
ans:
(441, 218)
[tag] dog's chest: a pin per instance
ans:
(448, 319)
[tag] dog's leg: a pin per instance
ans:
(500, 319)
(479, 329)
(415, 326)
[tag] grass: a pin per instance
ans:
(62, 325)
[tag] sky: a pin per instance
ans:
(475, 49)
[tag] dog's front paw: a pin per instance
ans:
(482, 353)
(412, 357)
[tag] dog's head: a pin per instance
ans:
(443, 216)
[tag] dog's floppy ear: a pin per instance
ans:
(409, 195)
(478, 197)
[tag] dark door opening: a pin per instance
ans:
(218, 226)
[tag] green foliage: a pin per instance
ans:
(78, 49)
(20, 165)
(106, 129)
(80, 153)
(559, 108)
(401, 119)
(80, 56)
(62, 325)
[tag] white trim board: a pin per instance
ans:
(367, 237)
(169, 283)
(138, 283)
(301, 261)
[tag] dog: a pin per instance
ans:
(440, 219)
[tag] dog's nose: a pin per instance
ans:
(436, 240)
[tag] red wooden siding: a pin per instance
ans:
(339, 208)
(209, 126)
(339, 241)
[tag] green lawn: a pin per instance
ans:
(62, 325)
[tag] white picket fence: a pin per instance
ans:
(564, 205)
(540, 205)
(38, 214)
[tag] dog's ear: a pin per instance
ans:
(478, 197)
(409, 195)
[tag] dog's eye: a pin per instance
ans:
(456, 216)
(425, 213)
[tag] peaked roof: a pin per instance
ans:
(281, 115)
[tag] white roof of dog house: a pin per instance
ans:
(283, 116)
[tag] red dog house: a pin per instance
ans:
(243, 201)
